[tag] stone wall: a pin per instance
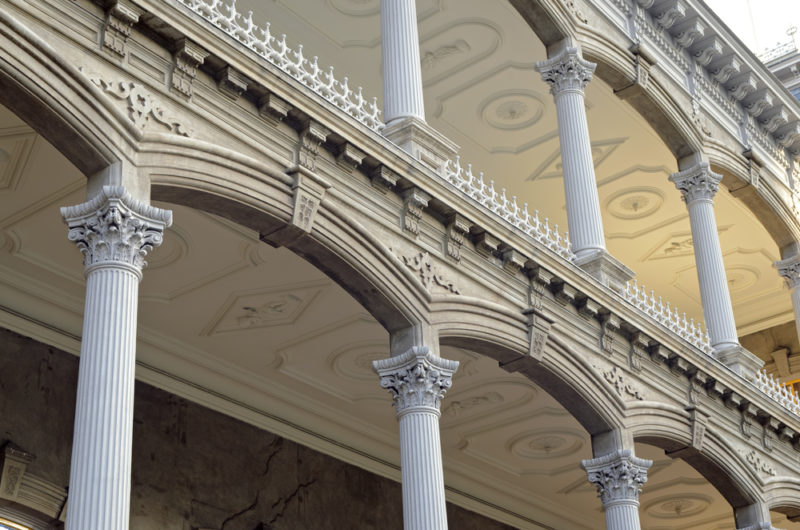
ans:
(193, 468)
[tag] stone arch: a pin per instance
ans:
(784, 497)
(57, 101)
(712, 457)
(561, 372)
(253, 194)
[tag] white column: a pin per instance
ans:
(619, 477)
(568, 73)
(698, 185)
(114, 233)
(402, 74)
(789, 268)
(417, 381)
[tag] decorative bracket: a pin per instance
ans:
(187, 58)
(121, 15)
(414, 200)
(539, 326)
(457, 228)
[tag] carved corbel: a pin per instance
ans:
(639, 345)
(13, 463)
(232, 83)
(773, 118)
(757, 102)
(350, 157)
(187, 58)
(724, 68)
(788, 134)
(705, 50)
(699, 423)
(771, 426)
(565, 293)
(540, 280)
(457, 228)
(486, 244)
(538, 330)
(687, 31)
(589, 308)
(742, 85)
(513, 261)
(414, 201)
(668, 13)
(121, 15)
(383, 179)
(609, 324)
(748, 423)
(659, 353)
(311, 137)
(753, 168)
(273, 108)
(642, 61)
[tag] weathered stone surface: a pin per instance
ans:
(194, 468)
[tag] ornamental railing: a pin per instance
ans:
(668, 317)
(778, 51)
(783, 395)
(507, 209)
(290, 60)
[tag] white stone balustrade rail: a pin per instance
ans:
(667, 316)
(783, 395)
(292, 61)
(485, 194)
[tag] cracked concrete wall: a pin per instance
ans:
(193, 468)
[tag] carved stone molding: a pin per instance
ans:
(121, 15)
(273, 108)
(232, 83)
(429, 275)
(142, 105)
(538, 330)
(416, 379)
(566, 71)
(617, 379)
(697, 183)
(188, 56)
(609, 325)
(618, 476)
(757, 463)
(114, 228)
(350, 157)
(639, 344)
(383, 178)
(699, 424)
(308, 143)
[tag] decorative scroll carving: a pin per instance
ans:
(757, 463)
(566, 71)
(457, 228)
(616, 378)
(416, 379)
(428, 273)
(115, 228)
(120, 17)
(697, 183)
(414, 200)
(142, 105)
(618, 476)
(188, 56)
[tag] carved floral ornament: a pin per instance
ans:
(618, 476)
(416, 379)
(789, 268)
(566, 71)
(422, 264)
(697, 183)
(114, 228)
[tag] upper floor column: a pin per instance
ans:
(114, 232)
(403, 103)
(568, 73)
(698, 185)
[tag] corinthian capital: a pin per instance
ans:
(416, 379)
(115, 229)
(618, 476)
(789, 268)
(566, 71)
(697, 183)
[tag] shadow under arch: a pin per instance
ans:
(250, 193)
(716, 461)
(563, 374)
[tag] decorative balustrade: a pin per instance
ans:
(778, 51)
(781, 394)
(667, 316)
(485, 194)
(292, 61)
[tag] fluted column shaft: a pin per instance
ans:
(698, 186)
(619, 477)
(402, 74)
(568, 73)
(418, 381)
(114, 232)
(789, 268)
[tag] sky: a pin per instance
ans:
(760, 24)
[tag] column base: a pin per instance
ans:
(740, 361)
(606, 269)
(421, 141)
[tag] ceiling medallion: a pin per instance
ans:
(546, 444)
(511, 109)
(635, 203)
(674, 507)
